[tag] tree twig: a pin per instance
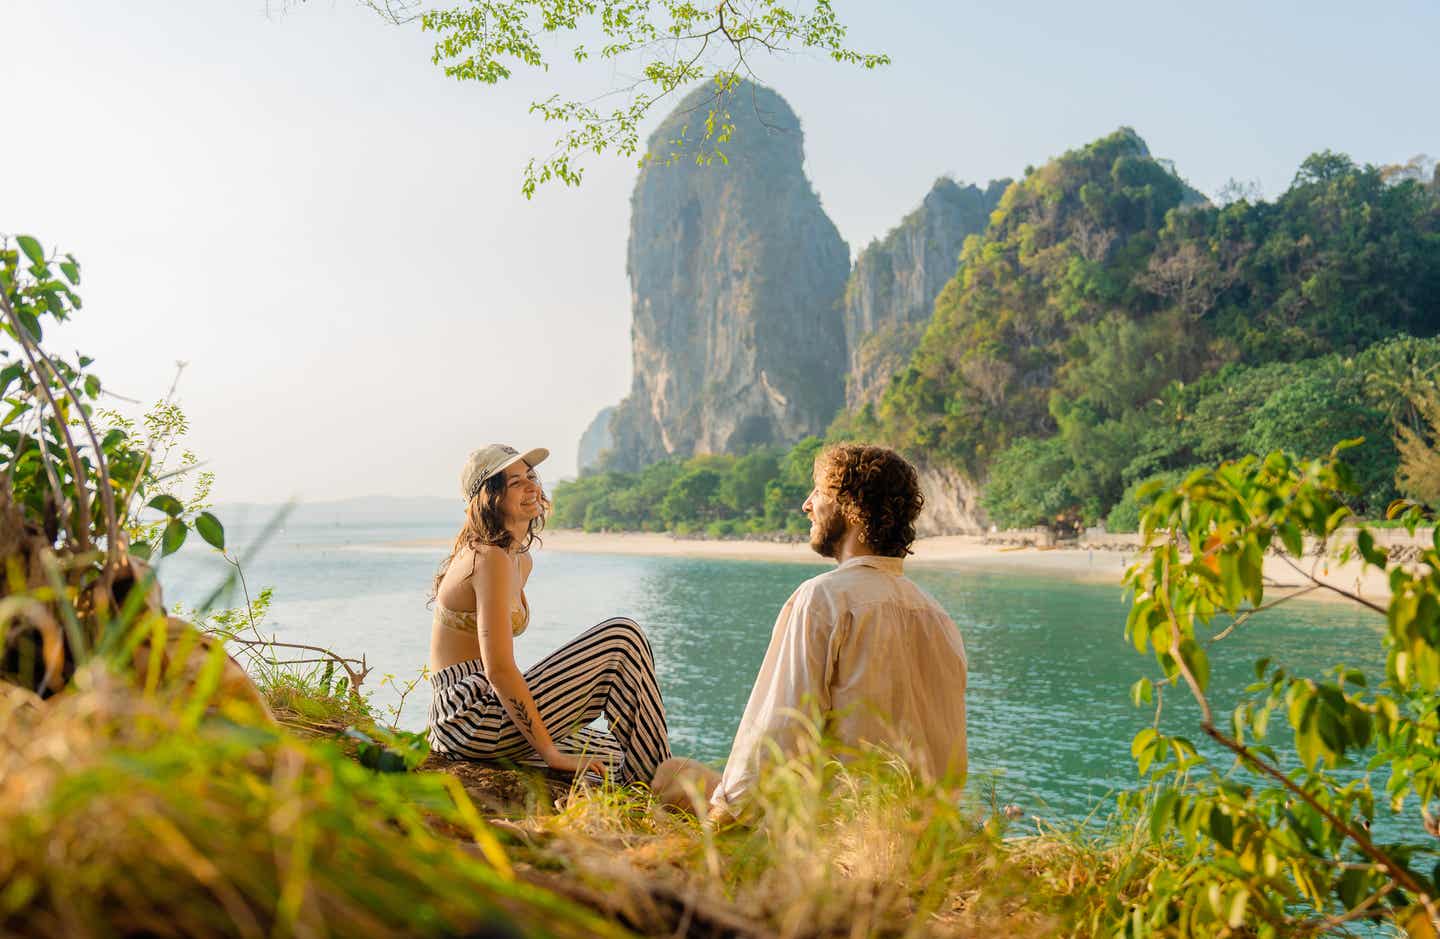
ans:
(1240, 620)
(1340, 590)
(107, 492)
(77, 468)
(356, 677)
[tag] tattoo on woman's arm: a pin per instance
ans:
(522, 717)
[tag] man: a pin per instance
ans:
(875, 654)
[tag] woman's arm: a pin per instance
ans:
(494, 583)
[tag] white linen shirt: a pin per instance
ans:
(879, 657)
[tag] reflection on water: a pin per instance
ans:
(1050, 670)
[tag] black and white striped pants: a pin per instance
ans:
(609, 669)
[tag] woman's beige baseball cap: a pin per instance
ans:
(481, 464)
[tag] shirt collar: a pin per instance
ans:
(879, 562)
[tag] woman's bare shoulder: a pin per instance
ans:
(481, 562)
(490, 560)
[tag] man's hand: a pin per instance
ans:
(720, 816)
(685, 784)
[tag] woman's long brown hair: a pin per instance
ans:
(485, 525)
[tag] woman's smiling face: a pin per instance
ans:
(523, 497)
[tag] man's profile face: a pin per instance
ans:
(827, 524)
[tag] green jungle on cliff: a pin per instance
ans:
(1112, 327)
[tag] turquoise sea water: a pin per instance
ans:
(1049, 714)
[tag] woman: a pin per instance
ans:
(483, 706)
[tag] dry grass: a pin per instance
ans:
(857, 850)
(127, 814)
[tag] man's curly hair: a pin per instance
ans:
(878, 492)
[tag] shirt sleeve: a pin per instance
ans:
(791, 693)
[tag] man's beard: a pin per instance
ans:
(827, 533)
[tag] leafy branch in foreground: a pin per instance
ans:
(144, 786)
(1285, 840)
(668, 43)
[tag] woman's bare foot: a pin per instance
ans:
(685, 784)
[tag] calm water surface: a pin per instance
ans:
(1050, 720)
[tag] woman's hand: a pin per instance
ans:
(567, 763)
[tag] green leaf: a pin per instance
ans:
(1197, 661)
(1163, 812)
(1141, 691)
(71, 270)
(1350, 888)
(174, 537)
(31, 324)
(31, 247)
(1334, 735)
(92, 385)
(1237, 908)
(141, 550)
(11, 372)
(168, 504)
(376, 755)
(211, 530)
(1365, 541)
(1222, 829)
(1292, 539)
(1308, 745)
(1142, 748)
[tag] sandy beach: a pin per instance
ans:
(1086, 563)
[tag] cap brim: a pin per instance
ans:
(533, 457)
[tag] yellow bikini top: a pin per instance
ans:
(468, 621)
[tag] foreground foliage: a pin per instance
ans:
(1333, 820)
(144, 786)
(127, 812)
(666, 45)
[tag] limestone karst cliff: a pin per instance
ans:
(736, 278)
(892, 289)
(596, 441)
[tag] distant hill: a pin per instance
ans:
(596, 441)
(1106, 307)
(366, 511)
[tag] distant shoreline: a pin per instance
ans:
(950, 552)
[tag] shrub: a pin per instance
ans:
(1125, 516)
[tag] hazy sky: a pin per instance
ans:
(331, 232)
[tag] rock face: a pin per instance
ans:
(891, 293)
(596, 440)
(736, 277)
(952, 503)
